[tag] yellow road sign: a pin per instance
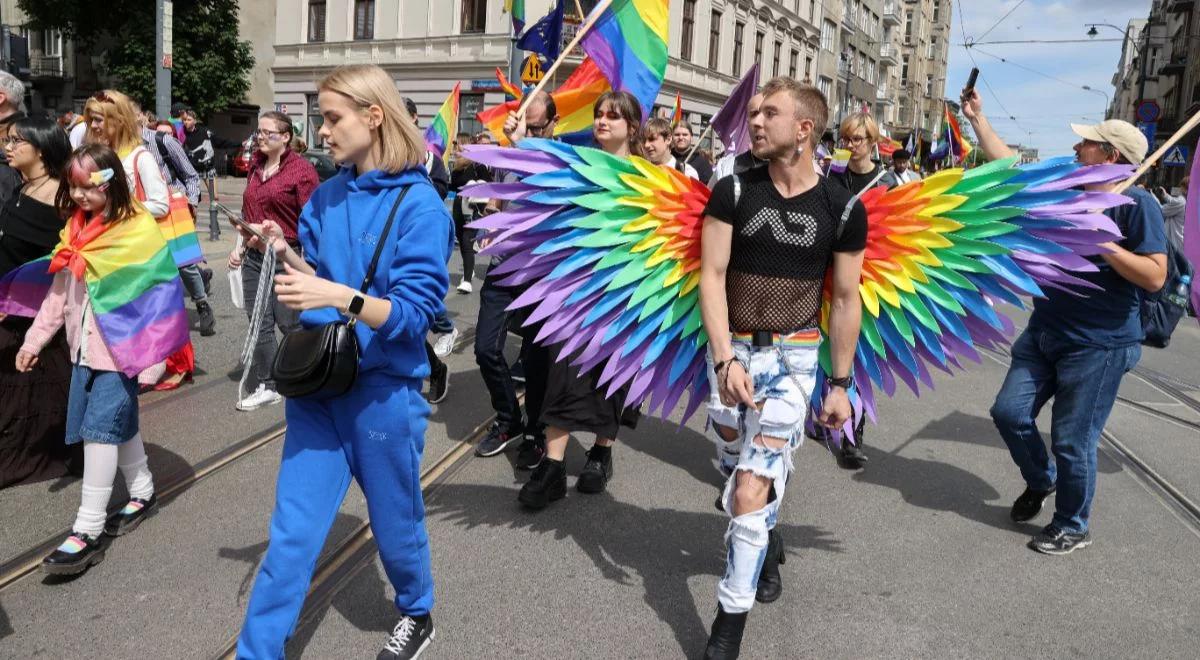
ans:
(531, 70)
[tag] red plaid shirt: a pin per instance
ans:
(281, 196)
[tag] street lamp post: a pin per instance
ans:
(1101, 92)
(1092, 32)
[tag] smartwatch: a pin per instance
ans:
(356, 305)
(845, 382)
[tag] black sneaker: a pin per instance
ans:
(497, 440)
(596, 472)
(725, 638)
(130, 516)
(850, 456)
(411, 636)
(439, 382)
(208, 323)
(547, 484)
(770, 582)
(1054, 541)
(76, 554)
(531, 452)
(1029, 504)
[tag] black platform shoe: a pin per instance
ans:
(130, 516)
(725, 640)
(770, 582)
(547, 484)
(76, 554)
(596, 471)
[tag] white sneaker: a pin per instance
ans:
(259, 398)
(465, 287)
(445, 343)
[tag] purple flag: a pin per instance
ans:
(731, 123)
(1191, 224)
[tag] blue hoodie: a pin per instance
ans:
(339, 228)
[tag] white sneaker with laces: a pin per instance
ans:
(465, 287)
(259, 398)
(445, 343)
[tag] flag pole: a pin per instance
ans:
(707, 129)
(1149, 162)
(599, 9)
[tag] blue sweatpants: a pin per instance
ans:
(375, 433)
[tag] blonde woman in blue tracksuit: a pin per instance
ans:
(376, 432)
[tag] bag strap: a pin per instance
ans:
(387, 228)
(139, 191)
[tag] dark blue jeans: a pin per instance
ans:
(1083, 382)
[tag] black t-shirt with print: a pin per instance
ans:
(782, 248)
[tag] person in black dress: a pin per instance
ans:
(33, 406)
(464, 172)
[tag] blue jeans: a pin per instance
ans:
(1083, 381)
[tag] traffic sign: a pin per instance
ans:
(1148, 110)
(1176, 157)
(531, 70)
(1148, 128)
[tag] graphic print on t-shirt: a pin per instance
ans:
(798, 229)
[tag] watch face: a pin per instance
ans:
(356, 304)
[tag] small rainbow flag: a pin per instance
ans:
(628, 40)
(841, 160)
(132, 282)
(573, 100)
(516, 9)
(510, 90)
(444, 127)
(959, 147)
(678, 116)
(888, 146)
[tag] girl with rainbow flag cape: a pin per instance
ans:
(113, 284)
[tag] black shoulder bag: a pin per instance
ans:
(322, 363)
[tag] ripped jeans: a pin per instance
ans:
(784, 375)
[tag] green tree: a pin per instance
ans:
(210, 68)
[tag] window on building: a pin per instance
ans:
(689, 24)
(793, 58)
(316, 21)
(739, 30)
(908, 26)
(827, 31)
(824, 84)
(775, 59)
(812, 11)
(904, 71)
(714, 41)
(807, 67)
(937, 9)
(364, 19)
(758, 46)
(474, 16)
(51, 45)
(928, 85)
(931, 51)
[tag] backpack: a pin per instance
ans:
(1160, 315)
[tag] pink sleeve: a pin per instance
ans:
(50, 316)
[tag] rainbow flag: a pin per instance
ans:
(573, 100)
(959, 147)
(510, 90)
(888, 146)
(678, 116)
(131, 279)
(516, 9)
(178, 227)
(628, 40)
(444, 127)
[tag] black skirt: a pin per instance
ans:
(33, 410)
(575, 404)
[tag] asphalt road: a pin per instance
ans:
(912, 557)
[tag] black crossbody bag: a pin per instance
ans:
(322, 363)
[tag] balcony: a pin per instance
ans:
(891, 13)
(884, 96)
(1175, 67)
(848, 25)
(1180, 6)
(888, 55)
(45, 67)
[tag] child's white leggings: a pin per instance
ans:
(100, 463)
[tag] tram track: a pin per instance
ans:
(1159, 484)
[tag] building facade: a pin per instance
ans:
(850, 49)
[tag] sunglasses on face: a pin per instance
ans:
(537, 128)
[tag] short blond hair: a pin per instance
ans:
(860, 120)
(810, 102)
(120, 119)
(401, 145)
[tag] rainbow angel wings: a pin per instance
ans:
(609, 250)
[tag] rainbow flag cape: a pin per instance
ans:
(678, 116)
(444, 127)
(573, 100)
(131, 279)
(1191, 224)
(178, 228)
(516, 9)
(628, 40)
(959, 147)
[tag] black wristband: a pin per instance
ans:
(845, 382)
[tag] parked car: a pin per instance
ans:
(326, 166)
(239, 160)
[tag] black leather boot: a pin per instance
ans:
(725, 640)
(770, 582)
(208, 323)
(547, 484)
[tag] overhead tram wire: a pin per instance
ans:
(1031, 70)
(967, 47)
(994, 25)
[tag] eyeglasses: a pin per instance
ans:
(854, 139)
(537, 128)
(13, 141)
(271, 136)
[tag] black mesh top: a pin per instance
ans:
(782, 248)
